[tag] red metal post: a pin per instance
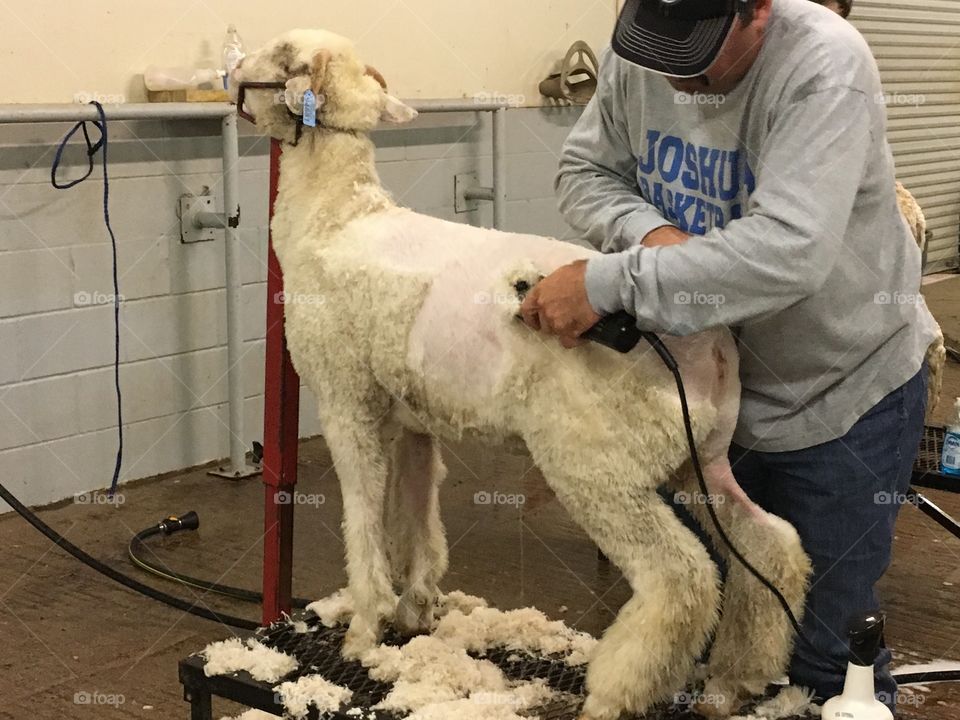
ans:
(281, 405)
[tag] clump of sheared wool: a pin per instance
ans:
(334, 609)
(427, 670)
(301, 628)
(457, 600)
(233, 655)
(792, 701)
(358, 713)
(435, 679)
(297, 697)
(479, 706)
(252, 715)
(525, 629)
(337, 608)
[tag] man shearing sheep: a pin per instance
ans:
(734, 168)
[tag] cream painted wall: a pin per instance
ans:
(51, 50)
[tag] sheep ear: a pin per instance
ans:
(293, 94)
(318, 73)
(371, 71)
(394, 111)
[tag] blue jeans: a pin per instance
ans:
(843, 498)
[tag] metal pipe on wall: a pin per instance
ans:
(234, 289)
(500, 168)
(39, 113)
(67, 112)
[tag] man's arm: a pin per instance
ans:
(809, 172)
(597, 184)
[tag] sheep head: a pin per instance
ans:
(350, 95)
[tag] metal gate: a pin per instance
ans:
(917, 46)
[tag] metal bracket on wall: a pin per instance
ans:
(469, 192)
(199, 220)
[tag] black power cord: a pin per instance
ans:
(173, 524)
(117, 576)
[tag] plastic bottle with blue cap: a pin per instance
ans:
(950, 462)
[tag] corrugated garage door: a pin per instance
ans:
(917, 46)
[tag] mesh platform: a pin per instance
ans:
(318, 652)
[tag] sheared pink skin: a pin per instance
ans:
(460, 330)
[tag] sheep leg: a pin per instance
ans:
(754, 638)
(419, 544)
(648, 653)
(361, 462)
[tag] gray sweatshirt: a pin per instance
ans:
(787, 184)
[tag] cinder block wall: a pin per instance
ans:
(57, 406)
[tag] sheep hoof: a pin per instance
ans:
(360, 638)
(414, 614)
(593, 709)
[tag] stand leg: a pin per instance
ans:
(201, 704)
(280, 437)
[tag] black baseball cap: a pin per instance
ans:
(680, 38)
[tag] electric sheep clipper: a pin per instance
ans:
(618, 331)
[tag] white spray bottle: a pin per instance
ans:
(858, 701)
(950, 462)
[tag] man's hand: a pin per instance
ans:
(665, 235)
(558, 305)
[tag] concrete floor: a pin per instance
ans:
(75, 645)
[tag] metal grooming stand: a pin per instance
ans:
(282, 384)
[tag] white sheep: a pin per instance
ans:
(937, 352)
(404, 327)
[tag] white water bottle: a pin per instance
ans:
(951, 445)
(233, 53)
